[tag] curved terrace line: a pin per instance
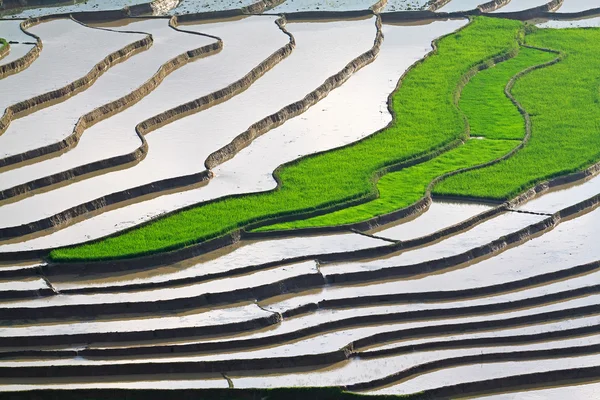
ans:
(64, 371)
(487, 358)
(356, 348)
(186, 182)
(347, 352)
(149, 308)
(24, 62)
(99, 114)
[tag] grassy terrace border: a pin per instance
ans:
(551, 152)
(427, 126)
(4, 48)
(495, 118)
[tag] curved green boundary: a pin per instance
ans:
(564, 103)
(493, 119)
(426, 118)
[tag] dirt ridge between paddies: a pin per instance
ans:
(360, 348)
(99, 114)
(363, 182)
(187, 182)
(194, 346)
(18, 65)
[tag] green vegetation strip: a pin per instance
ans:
(564, 102)
(426, 118)
(491, 115)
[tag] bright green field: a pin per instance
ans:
(480, 101)
(427, 118)
(403, 188)
(564, 101)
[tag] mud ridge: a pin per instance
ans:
(59, 95)
(258, 7)
(255, 293)
(293, 110)
(324, 359)
(282, 338)
(514, 383)
(492, 5)
(525, 355)
(24, 62)
(194, 347)
(90, 119)
(145, 335)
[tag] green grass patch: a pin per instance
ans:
(485, 104)
(403, 188)
(426, 119)
(3, 42)
(564, 102)
(490, 113)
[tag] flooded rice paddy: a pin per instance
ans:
(270, 302)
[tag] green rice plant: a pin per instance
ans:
(426, 118)
(403, 188)
(564, 102)
(491, 114)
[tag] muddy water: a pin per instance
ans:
(203, 318)
(570, 244)
(321, 127)
(11, 31)
(461, 5)
(563, 197)
(322, 5)
(363, 370)
(70, 51)
(478, 236)
(478, 372)
(59, 120)
(576, 23)
(440, 215)
(25, 284)
(180, 148)
(334, 340)
(574, 392)
(213, 381)
(405, 5)
(194, 6)
(87, 5)
(16, 51)
(236, 257)
(527, 330)
(520, 5)
(570, 6)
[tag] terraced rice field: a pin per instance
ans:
(294, 199)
